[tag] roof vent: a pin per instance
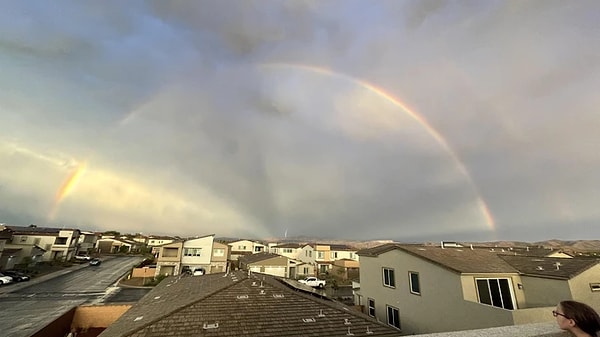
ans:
(422, 249)
(208, 326)
(369, 332)
(309, 320)
(278, 295)
(156, 297)
(347, 321)
(558, 264)
(349, 332)
(242, 297)
(139, 318)
(254, 283)
(539, 268)
(262, 292)
(321, 314)
(261, 285)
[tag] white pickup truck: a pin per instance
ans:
(313, 282)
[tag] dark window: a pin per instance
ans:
(495, 292)
(371, 305)
(393, 317)
(415, 286)
(388, 277)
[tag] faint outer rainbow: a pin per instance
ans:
(414, 115)
(67, 187)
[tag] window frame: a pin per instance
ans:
(410, 283)
(387, 278)
(595, 287)
(192, 252)
(370, 308)
(511, 291)
(396, 312)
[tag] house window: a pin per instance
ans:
(60, 241)
(320, 255)
(241, 247)
(23, 238)
(192, 251)
(393, 317)
(496, 292)
(371, 305)
(258, 249)
(595, 286)
(287, 250)
(170, 252)
(415, 286)
(305, 270)
(218, 252)
(388, 278)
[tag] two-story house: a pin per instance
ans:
(327, 254)
(87, 242)
(245, 247)
(468, 288)
(199, 255)
(57, 243)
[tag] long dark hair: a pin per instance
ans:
(585, 317)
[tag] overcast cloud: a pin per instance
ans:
(255, 118)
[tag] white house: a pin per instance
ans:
(58, 244)
(245, 247)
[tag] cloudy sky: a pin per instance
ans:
(405, 120)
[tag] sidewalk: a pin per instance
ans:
(16, 286)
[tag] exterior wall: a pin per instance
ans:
(44, 241)
(544, 292)
(441, 296)
(100, 316)
(279, 271)
(580, 287)
(143, 272)
(205, 244)
(277, 266)
(169, 264)
(87, 242)
(343, 254)
(324, 251)
(219, 263)
(307, 254)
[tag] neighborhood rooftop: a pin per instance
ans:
(237, 304)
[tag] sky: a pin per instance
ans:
(399, 120)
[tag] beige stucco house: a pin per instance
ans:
(202, 255)
(272, 264)
(245, 247)
(425, 289)
(57, 243)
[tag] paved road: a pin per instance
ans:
(25, 311)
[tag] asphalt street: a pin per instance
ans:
(27, 309)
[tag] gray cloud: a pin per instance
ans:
(170, 107)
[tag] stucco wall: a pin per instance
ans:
(100, 316)
(580, 287)
(543, 292)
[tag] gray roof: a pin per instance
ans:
(547, 266)
(252, 258)
(238, 305)
(489, 260)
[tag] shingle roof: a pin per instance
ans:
(252, 258)
(291, 245)
(546, 266)
(238, 305)
(490, 260)
(37, 230)
(461, 260)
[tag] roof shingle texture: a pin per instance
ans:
(242, 306)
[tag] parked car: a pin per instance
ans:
(17, 276)
(4, 279)
(83, 258)
(313, 282)
(95, 262)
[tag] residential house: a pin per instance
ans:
(200, 254)
(274, 264)
(57, 243)
(245, 247)
(468, 288)
(5, 235)
(326, 254)
(237, 304)
(113, 246)
(159, 240)
(87, 242)
(290, 250)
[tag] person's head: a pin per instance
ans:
(571, 314)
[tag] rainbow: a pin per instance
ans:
(67, 187)
(482, 205)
